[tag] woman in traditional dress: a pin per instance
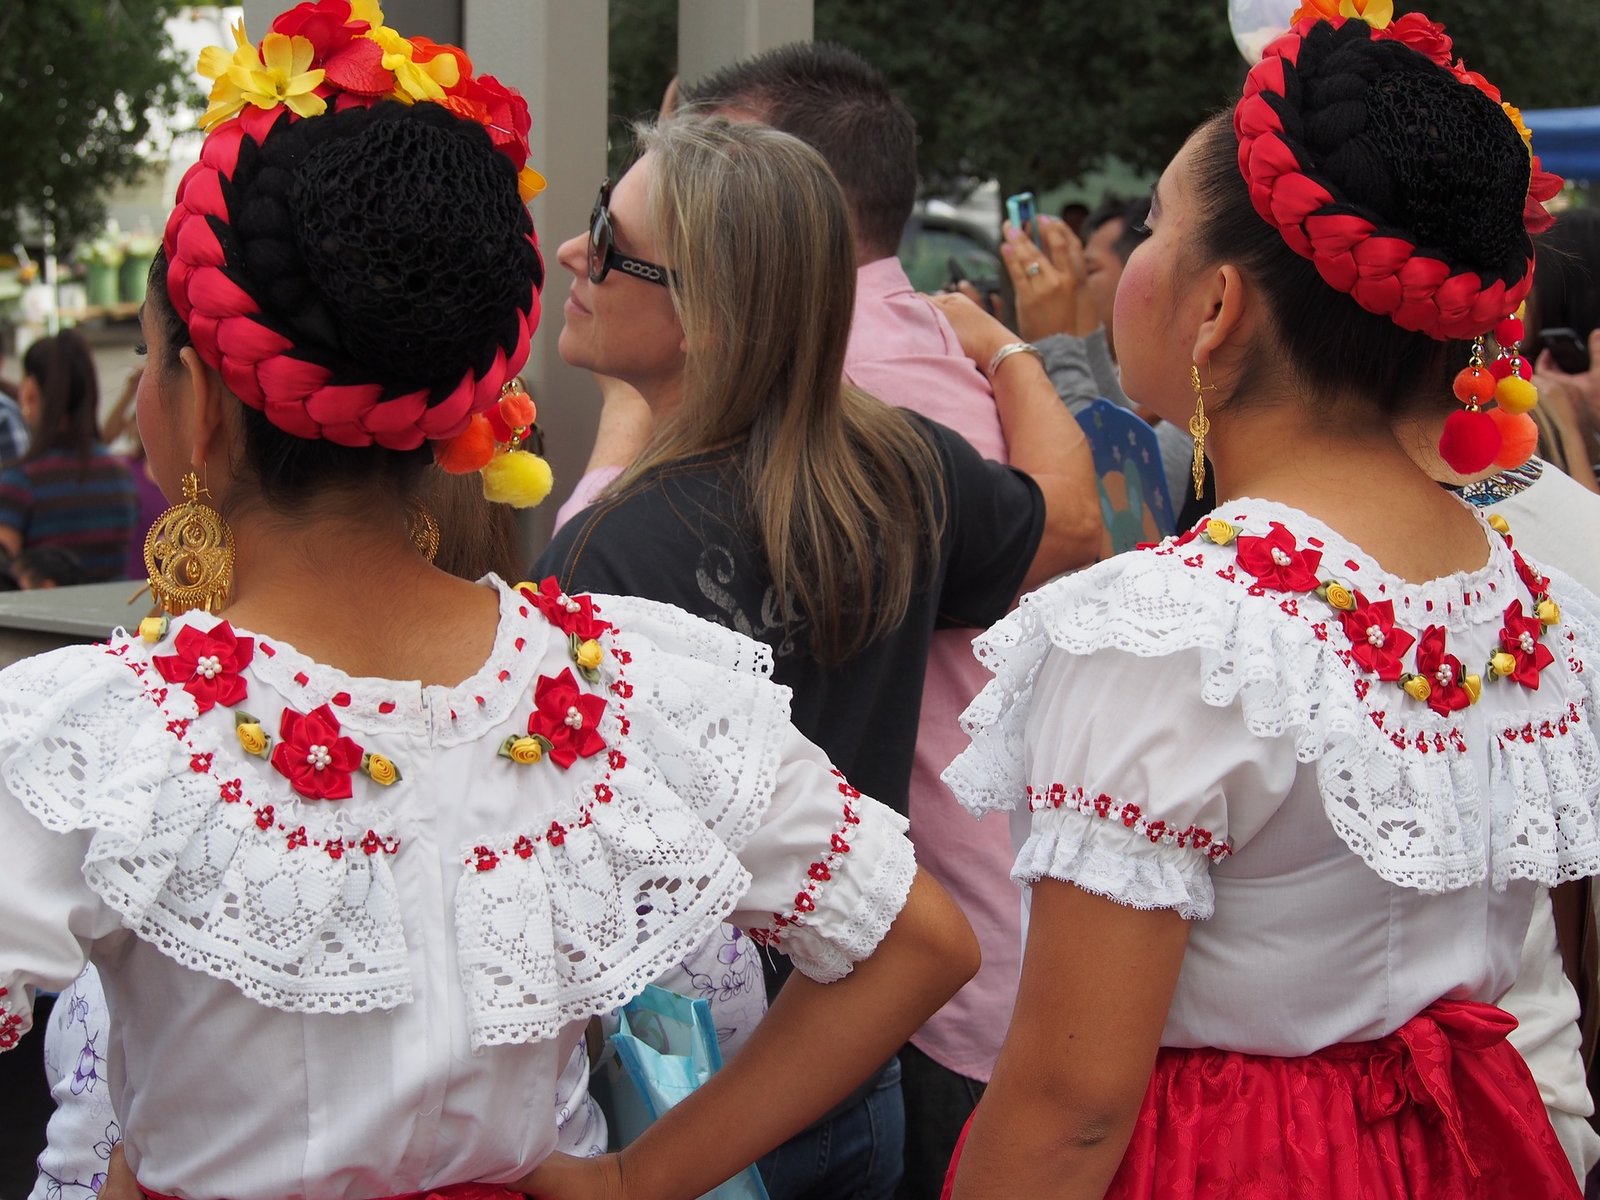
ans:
(1286, 783)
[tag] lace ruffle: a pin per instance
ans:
(1397, 783)
(85, 746)
(1104, 858)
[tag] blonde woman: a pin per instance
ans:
(717, 279)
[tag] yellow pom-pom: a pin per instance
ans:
(1515, 394)
(518, 478)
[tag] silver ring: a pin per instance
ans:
(1033, 269)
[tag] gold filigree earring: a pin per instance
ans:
(188, 554)
(422, 529)
(1199, 426)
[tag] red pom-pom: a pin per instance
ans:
(1470, 441)
(1508, 332)
(468, 451)
(1500, 368)
(1474, 385)
(1519, 437)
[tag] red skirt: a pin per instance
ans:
(1442, 1109)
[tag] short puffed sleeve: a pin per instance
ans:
(1135, 787)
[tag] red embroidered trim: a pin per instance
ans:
(231, 791)
(10, 1026)
(1158, 832)
(1530, 732)
(817, 874)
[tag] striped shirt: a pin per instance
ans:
(88, 508)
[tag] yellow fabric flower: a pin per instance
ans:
(1502, 663)
(1339, 596)
(1499, 524)
(525, 750)
(1417, 687)
(589, 654)
(1548, 612)
(1473, 685)
(1220, 532)
(277, 74)
(252, 737)
(413, 80)
(1377, 13)
(529, 183)
(1515, 113)
(380, 770)
(153, 629)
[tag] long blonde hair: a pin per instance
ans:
(845, 493)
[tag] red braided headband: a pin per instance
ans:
(1382, 269)
(225, 323)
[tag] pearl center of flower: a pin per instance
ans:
(1280, 557)
(1375, 635)
(1526, 642)
(574, 718)
(319, 758)
(209, 665)
(1445, 675)
(568, 603)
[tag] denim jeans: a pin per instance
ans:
(857, 1154)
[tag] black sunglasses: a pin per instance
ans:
(603, 252)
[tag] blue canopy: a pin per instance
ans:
(1567, 140)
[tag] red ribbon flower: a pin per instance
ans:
(1520, 639)
(208, 665)
(573, 615)
(1443, 671)
(314, 756)
(327, 25)
(1376, 643)
(568, 718)
(1277, 562)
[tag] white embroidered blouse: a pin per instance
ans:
(1211, 727)
(378, 994)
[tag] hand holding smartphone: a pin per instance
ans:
(1023, 213)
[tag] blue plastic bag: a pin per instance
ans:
(665, 1046)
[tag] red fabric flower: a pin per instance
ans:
(498, 109)
(567, 717)
(1443, 671)
(325, 24)
(1427, 38)
(208, 665)
(572, 615)
(1277, 562)
(314, 756)
(1542, 188)
(1531, 579)
(1520, 638)
(1376, 643)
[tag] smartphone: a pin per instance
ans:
(1567, 348)
(1022, 211)
(957, 275)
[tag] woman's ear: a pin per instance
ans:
(208, 429)
(1226, 312)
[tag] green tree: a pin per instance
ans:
(1035, 93)
(79, 82)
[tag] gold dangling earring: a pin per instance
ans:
(1199, 426)
(188, 554)
(422, 529)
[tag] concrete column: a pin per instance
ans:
(555, 53)
(714, 33)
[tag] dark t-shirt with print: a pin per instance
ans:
(682, 535)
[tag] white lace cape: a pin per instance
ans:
(1414, 817)
(544, 939)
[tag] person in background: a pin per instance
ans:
(13, 427)
(1290, 781)
(46, 567)
(1073, 215)
(903, 351)
(1064, 292)
(1563, 323)
(69, 490)
(784, 502)
(121, 432)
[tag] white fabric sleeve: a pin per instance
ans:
(1547, 1036)
(48, 913)
(830, 868)
(1135, 785)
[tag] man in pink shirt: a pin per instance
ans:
(903, 351)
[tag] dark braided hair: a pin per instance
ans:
(1408, 146)
(388, 246)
